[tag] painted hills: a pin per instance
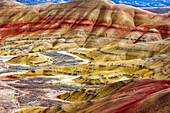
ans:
(75, 24)
(118, 57)
(10, 4)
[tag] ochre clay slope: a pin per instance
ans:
(123, 97)
(110, 58)
(112, 64)
(87, 23)
(31, 59)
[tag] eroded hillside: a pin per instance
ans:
(90, 55)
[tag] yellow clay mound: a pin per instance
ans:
(32, 59)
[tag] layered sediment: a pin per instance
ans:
(84, 56)
(89, 24)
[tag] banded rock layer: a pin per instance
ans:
(112, 64)
(31, 59)
(120, 97)
(87, 23)
(128, 56)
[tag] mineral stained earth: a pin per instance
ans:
(83, 56)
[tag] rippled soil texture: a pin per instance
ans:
(90, 56)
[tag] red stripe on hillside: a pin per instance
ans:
(14, 28)
(144, 83)
(161, 85)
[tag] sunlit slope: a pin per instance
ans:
(6, 4)
(87, 23)
(31, 59)
(134, 96)
(128, 50)
(111, 64)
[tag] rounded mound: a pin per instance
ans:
(31, 59)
